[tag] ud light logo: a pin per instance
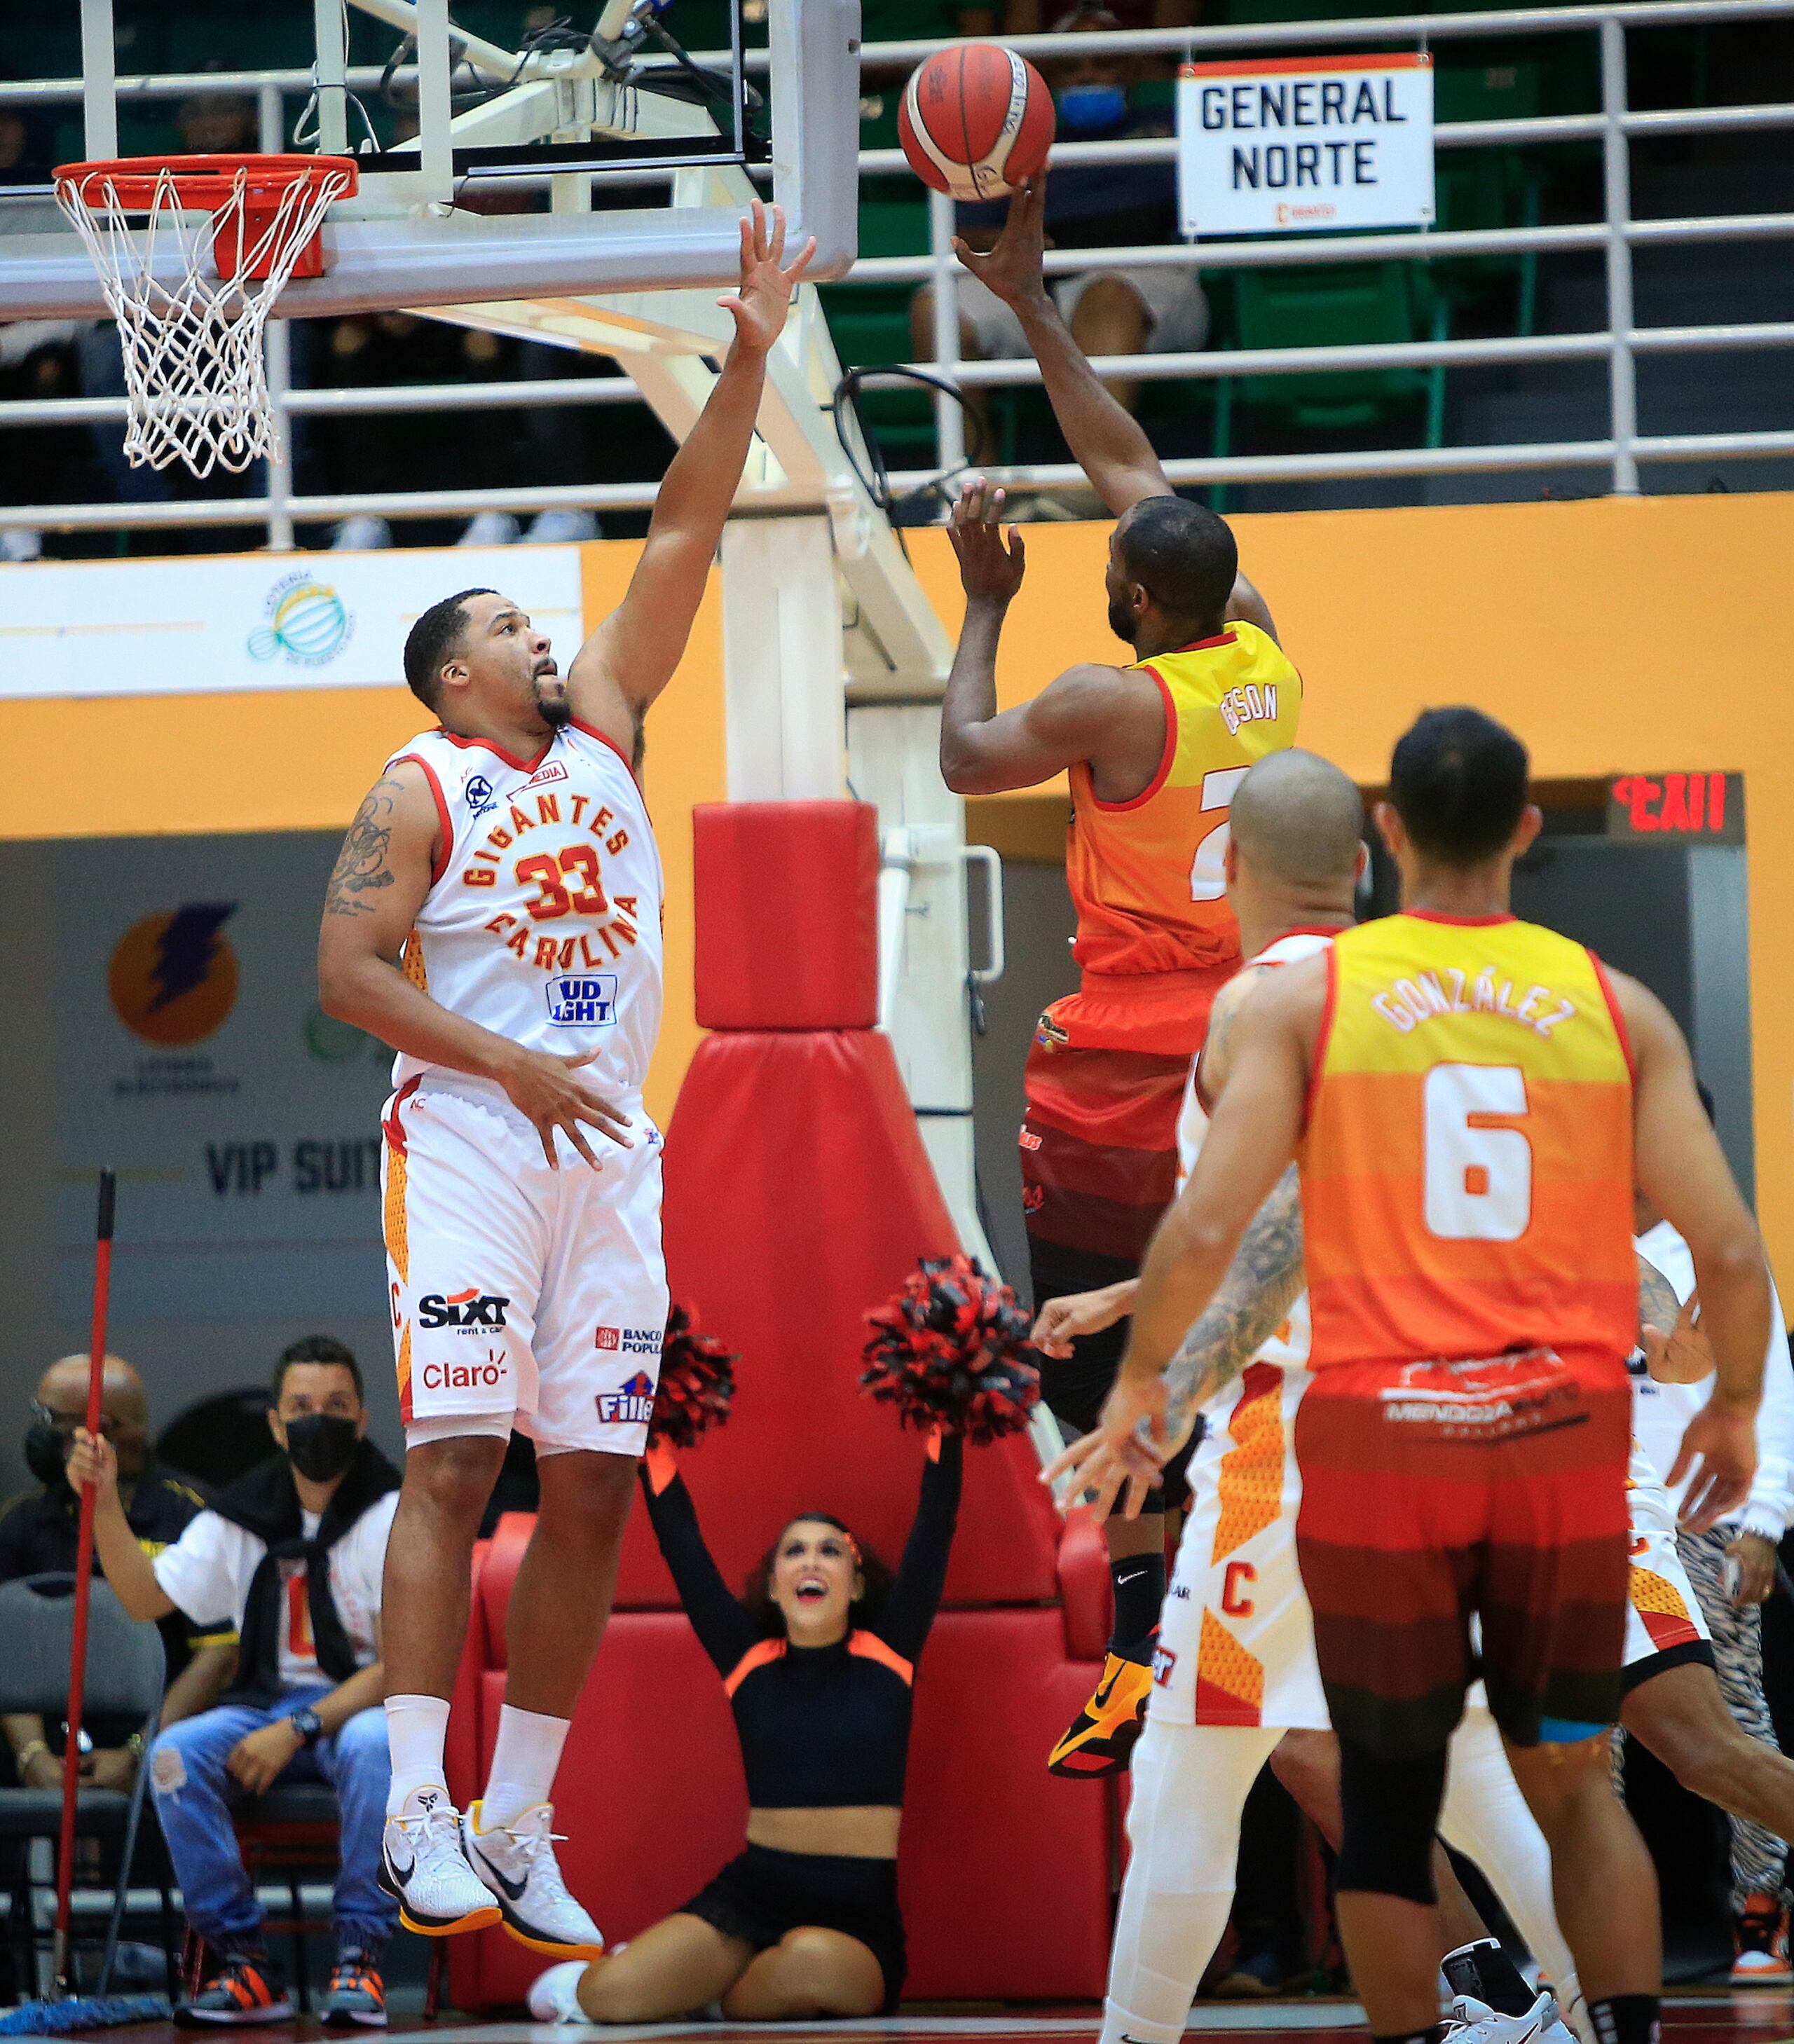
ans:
(586, 1001)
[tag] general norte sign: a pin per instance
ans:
(1282, 144)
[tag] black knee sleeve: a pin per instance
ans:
(1392, 1810)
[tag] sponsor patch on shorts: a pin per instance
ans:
(632, 1406)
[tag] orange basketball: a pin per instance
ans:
(975, 121)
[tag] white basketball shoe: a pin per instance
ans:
(516, 1861)
(421, 1863)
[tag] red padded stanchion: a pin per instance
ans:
(787, 914)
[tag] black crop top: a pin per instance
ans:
(821, 1727)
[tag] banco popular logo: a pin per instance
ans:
(173, 976)
(308, 622)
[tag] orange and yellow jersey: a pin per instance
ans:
(1467, 1163)
(1147, 876)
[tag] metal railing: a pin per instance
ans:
(1618, 235)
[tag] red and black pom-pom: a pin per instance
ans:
(950, 1351)
(697, 1384)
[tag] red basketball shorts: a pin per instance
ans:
(1437, 1494)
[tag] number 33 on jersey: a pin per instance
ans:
(543, 919)
(1467, 1166)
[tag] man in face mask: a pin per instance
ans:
(37, 1537)
(293, 1554)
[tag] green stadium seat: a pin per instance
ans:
(1350, 305)
(1487, 188)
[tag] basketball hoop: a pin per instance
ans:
(191, 301)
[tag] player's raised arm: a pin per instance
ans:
(383, 874)
(631, 657)
(1256, 1124)
(1683, 1171)
(1106, 440)
(984, 750)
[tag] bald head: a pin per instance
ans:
(1298, 822)
(124, 1407)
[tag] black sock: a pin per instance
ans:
(1432, 2034)
(1625, 2018)
(1140, 1590)
(1485, 1972)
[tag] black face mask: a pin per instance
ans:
(44, 1453)
(321, 1445)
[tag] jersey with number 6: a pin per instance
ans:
(1467, 1163)
(1147, 876)
(543, 919)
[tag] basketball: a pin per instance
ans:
(975, 121)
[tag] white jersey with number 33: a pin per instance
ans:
(543, 919)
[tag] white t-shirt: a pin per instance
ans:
(208, 1571)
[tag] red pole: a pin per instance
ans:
(83, 1582)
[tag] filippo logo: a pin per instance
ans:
(307, 621)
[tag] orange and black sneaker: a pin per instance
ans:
(1105, 1731)
(249, 1988)
(358, 1994)
(1762, 1931)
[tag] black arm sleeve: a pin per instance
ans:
(909, 1610)
(724, 1629)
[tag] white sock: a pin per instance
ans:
(523, 1762)
(417, 1732)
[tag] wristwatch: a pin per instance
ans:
(308, 1724)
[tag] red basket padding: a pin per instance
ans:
(1004, 1873)
(798, 1194)
(787, 917)
(1086, 1586)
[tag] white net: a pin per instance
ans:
(195, 380)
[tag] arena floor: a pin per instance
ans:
(1765, 2016)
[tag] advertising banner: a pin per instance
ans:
(1276, 145)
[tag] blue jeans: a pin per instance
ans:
(193, 1794)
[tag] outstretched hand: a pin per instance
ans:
(989, 569)
(764, 298)
(1126, 1450)
(1015, 266)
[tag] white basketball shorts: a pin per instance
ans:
(521, 1296)
(1236, 1637)
(1664, 1623)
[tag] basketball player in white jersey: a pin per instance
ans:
(1236, 1676)
(495, 915)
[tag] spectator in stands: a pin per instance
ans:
(37, 1537)
(818, 1664)
(292, 1554)
(1111, 310)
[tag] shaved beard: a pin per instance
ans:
(1120, 623)
(556, 711)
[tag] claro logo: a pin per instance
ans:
(467, 1376)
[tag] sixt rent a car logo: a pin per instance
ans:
(467, 1310)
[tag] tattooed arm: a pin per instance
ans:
(383, 875)
(1675, 1350)
(1263, 1282)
